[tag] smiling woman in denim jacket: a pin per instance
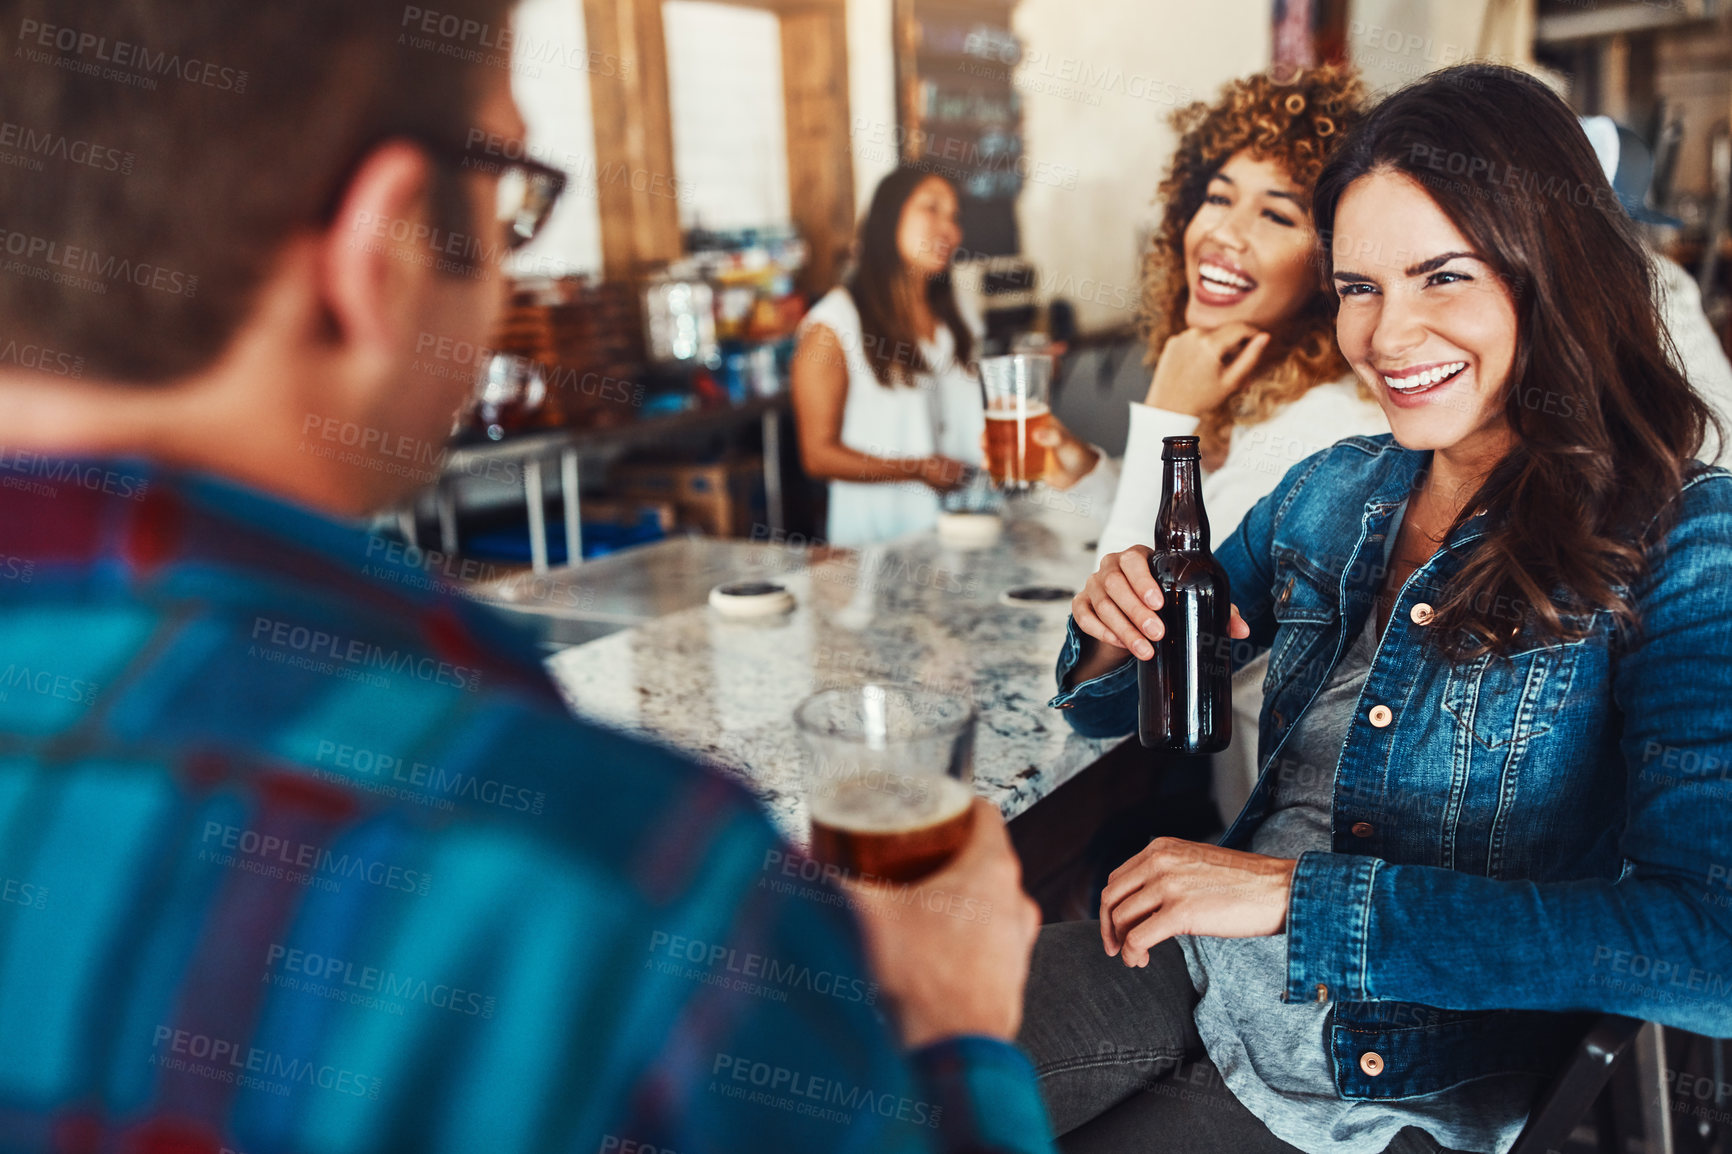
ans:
(1495, 792)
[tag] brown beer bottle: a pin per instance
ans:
(1185, 691)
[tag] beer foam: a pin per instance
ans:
(1004, 409)
(879, 801)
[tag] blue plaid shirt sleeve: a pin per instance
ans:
(300, 853)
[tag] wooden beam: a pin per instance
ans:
(784, 5)
(820, 155)
(1615, 78)
(1612, 20)
(634, 137)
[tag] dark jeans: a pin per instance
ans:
(1121, 1066)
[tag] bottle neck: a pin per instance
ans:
(1181, 525)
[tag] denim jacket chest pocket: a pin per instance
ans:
(1523, 734)
(1502, 701)
(1307, 611)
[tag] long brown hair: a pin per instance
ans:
(1295, 124)
(892, 346)
(1605, 424)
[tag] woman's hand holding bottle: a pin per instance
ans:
(1119, 607)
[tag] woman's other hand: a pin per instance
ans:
(1200, 368)
(942, 473)
(1068, 459)
(1186, 887)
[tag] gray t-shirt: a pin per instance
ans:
(1274, 1055)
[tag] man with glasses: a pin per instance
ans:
(298, 852)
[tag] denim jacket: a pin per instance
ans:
(1515, 841)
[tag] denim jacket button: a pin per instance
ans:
(1422, 614)
(1381, 716)
(1322, 992)
(1362, 829)
(1286, 593)
(1372, 1063)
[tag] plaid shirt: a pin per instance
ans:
(300, 852)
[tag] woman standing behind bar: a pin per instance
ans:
(1496, 744)
(887, 407)
(1245, 332)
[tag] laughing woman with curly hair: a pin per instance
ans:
(1240, 331)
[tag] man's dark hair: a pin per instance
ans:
(155, 154)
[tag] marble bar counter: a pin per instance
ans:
(570, 606)
(916, 611)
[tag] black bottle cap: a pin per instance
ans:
(1179, 448)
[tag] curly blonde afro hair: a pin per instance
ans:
(1295, 124)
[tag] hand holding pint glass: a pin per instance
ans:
(891, 788)
(1017, 407)
(892, 801)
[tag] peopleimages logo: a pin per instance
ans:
(361, 656)
(94, 478)
(300, 860)
(41, 359)
(57, 146)
(466, 39)
(40, 256)
(766, 1084)
(36, 39)
(228, 1061)
(725, 960)
(430, 778)
(341, 980)
(46, 683)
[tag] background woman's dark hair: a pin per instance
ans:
(892, 347)
(1605, 423)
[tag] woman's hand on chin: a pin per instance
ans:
(1200, 368)
(1186, 887)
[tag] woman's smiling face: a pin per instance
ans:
(1425, 321)
(1248, 248)
(929, 232)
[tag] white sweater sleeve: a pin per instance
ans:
(1258, 456)
(1704, 361)
(1138, 499)
(1092, 495)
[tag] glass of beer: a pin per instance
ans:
(891, 789)
(1016, 408)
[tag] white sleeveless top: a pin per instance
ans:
(941, 413)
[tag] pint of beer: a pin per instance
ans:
(1017, 406)
(892, 779)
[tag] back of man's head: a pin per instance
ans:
(155, 154)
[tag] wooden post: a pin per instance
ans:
(634, 146)
(820, 154)
(1615, 78)
(634, 138)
